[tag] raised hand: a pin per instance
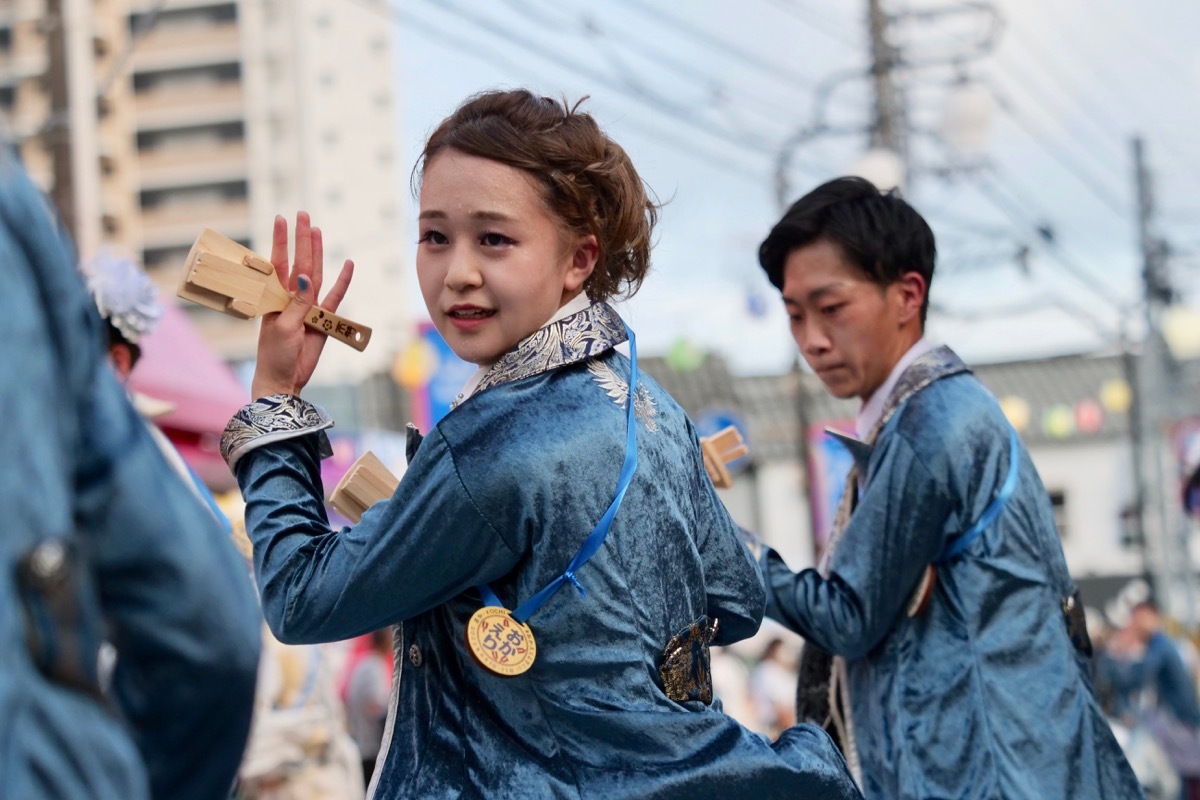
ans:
(288, 350)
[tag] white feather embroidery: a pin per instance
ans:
(615, 386)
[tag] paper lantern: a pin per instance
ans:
(1058, 421)
(1116, 396)
(1016, 410)
(1089, 416)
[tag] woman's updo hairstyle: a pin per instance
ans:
(587, 180)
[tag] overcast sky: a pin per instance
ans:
(705, 93)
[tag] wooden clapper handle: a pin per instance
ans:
(338, 327)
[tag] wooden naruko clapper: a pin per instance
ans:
(366, 483)
(227, 277)
(719, 449)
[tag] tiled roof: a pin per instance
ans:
(775, 407)
(1059, 395)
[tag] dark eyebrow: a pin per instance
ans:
(815, 295)
(494, 216)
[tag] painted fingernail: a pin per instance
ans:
(302, 281)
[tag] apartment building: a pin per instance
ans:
(185, 114)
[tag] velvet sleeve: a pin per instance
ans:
(897, 529)
(425, 545)
(732, 581)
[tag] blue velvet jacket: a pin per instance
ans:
(143, 563)
(983, 695)
(504, 490)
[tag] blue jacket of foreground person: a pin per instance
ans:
(101, 541)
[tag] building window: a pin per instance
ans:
(164, 257)
(171, 79)
(199, 135)
(184, 196)
(1058, 501)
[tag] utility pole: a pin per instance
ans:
(1159, 391)
(56, 134)
(887, 125)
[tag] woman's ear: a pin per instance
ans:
(584, 256)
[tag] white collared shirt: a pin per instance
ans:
(872, 410)
(579, 303)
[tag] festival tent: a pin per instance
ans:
(201, 391)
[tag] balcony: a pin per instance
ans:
(192, 163)
(178, 224)
(189, 104)
(181, 46)
(16, 65)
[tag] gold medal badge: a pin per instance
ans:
(499, 642)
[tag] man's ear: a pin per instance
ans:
(911, 291)
(122, 359)
(583, 260)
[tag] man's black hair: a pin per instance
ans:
(877, 231)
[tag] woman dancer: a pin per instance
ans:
(510, 682)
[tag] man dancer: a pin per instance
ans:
(958, 644)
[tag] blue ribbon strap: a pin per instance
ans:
(994, 508)
(596, 538)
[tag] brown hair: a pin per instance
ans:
(586, 179)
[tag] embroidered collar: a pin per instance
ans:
(583, 335)
(941, 362)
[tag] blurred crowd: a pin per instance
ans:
(319, 715)
(1147, 676)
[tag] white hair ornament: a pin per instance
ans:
(124, 294)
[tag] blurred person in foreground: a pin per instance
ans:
(945, 639)
(102, 541)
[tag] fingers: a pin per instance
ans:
(303, 257)
(318, 259)
(335, 296)
(302, 300)
(279, 249)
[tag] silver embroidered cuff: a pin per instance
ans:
(272, 419)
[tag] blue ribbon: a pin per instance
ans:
(993, 510)
(598, 534)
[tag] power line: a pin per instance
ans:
(1150, 49)
(769, 108)
(721, 161)
(817, 21)
(1107, 126)
(1081, 174)
(753, 145)
(779, 72)
(988, 187)
(1180, 69)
